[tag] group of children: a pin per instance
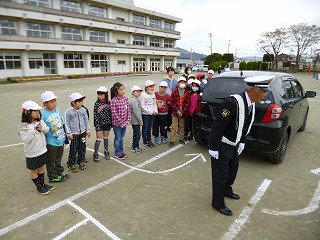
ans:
(45, 131)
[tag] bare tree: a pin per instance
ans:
(273, 43)
(303, 36)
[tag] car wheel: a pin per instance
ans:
(304, 124)
(278, 156)
(200, 140)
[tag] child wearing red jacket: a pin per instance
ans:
(194, 107)
(180, 103)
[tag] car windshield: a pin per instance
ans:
(222, 88)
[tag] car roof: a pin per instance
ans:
(249, 73)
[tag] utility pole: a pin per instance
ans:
(228, 46)
(210, 36)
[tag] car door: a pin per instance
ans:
(302, 102)
(292, 104)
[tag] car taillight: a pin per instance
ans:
(272, 113)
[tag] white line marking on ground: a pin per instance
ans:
(313, 205)
(94, 220)
(197, 155)
(85, 192)
(237, 225)
(12, 145)
(65, 233)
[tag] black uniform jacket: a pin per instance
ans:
(226, 123)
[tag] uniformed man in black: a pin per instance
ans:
(227, 138)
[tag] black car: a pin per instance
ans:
(277, 118)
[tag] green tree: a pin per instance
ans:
(228, 57)
(243, 66)
(214, 57)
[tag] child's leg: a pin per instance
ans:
(174, 128)
(162, 125)
(59, 156)
(117, 140)
(74, 143)
(123, 132)
(98, 141)
(150, 124)
(155, 126)
(181, 128)
(51, 164)
(136, 136)
(144, 128)
(106, 144)
(82, 147)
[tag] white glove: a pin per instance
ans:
(214, 154)
(240, 148)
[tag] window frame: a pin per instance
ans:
(70, 6)
(73, 35)
(11, 28)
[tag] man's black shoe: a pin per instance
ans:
(233, 196)
(225, 211)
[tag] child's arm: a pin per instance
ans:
(87, 124)
(27, 134)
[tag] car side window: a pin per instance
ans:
(297, 89)
(288, 89)
(280, 89)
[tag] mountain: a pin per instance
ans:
(186, 54)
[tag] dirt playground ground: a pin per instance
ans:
(161, 193)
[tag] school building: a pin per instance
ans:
(47, 37)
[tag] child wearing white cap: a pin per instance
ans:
(136, 118)
(148, 110)
(102, 122)
(55, 137)
(32, 130)
(160, 120)
(77, 129)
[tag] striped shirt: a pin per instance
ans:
(120, 111)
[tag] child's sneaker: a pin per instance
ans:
(152, 144)
(124, 155)
(147, 144)
(64, 175)
(120, 156)
(50, 188)
(85, 159)
(82, 166)
(157, 140)
(163, 140)
(182, 142)
(57, 179)
(138, 150)
(106, 155)
(95, 157)
(171, 144)
(73, 168)
(43, 190)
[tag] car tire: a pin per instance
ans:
(304, 124)
(278, 156)
(200, 140)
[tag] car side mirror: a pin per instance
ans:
(310, 94)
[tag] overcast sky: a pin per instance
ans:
(240, 21)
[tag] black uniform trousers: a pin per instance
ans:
(77, 147)
(224, 171)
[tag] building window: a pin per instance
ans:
(70, 6)
(138, 19)
(71, 33)
(10, 60)
(167, 43)
(39, 30)
(97, 36)
(39, 3)
(155, 42)
(168, 25)
(73, 60)
(8, 27)
(168, 63)
(120, 19)
(154, 23)
(138, 40)
(46, 61)
(121, 41)
(100, 61)
(96, 11)
(121, 62)
(155, 64)
(139, 64)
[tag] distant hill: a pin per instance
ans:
(186, 54)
